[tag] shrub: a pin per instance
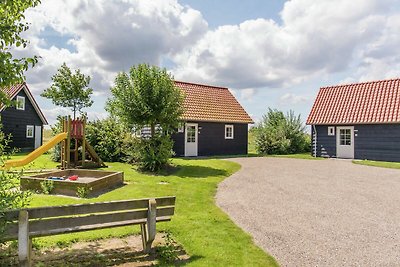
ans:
(47, 186)
(11, 197)
(280, 134)
(152, 154)
(109, 139)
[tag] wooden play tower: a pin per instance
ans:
(76, 152)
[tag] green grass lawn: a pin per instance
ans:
(206, 233)
(383, 164)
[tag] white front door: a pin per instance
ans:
(38, 136)
(191, 134)
(345, 142)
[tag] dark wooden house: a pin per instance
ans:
(24, 121)
(360, 121)
(214, 122)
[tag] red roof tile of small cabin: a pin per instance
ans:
(211, 103)
(373, 102)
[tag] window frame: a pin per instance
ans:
(27, 131)
(229, 126)
(20, 99)
(331, 130)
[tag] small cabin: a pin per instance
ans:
(357, 121)
(23, 121)
(214, 122)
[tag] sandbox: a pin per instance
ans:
(94, 182)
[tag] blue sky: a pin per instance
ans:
(269, 53)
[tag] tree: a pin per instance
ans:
(147, 96)
(70, 90)
(11, 27)
(280, 134)
(11, 72)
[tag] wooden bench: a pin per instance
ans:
(25, 224)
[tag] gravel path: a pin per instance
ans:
(317, 213)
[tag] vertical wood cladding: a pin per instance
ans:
(211, 140)
(15, 121)
(377, 142)
(371, 141)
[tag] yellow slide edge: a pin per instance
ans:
(36, 153)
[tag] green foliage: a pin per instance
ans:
(110, 139)
(11, 197)
(147, 96)
(280, 134)
(167, 253)
(11, 27)
(83, 192)
(70, 90)
(47, 186)
(56, 129)
(152, 154)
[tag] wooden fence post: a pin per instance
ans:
(151, 224)
(24, 242)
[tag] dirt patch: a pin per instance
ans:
(124, 252)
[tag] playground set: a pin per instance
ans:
(76, 156)
(73, 132)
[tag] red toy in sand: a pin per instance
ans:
(73, 178)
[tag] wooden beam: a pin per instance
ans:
(151, 224)
(110, 206)
(24, 241)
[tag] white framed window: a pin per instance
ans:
(331, 130)
(228, 131)
(181, 128)
(20, 103)
(29, 131)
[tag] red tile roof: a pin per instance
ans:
(373, 102)
(211, 103)
(12, 91)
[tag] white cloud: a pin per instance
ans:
(315, 38)
(108, 36)
(247, 93)
(52, 113)
(292, 99)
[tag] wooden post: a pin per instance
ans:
(24, 242)
(83, 142)
(151, 224)
(62, 149)
(68, 145)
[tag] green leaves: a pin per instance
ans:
(280, 134)
(147, 96)
(11, 15)
(70, 90)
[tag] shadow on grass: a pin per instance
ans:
(199, 172)
(94, 255)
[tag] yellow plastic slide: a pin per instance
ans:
(36, 153)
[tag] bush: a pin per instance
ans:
(109, 139)
(152, 154)
(280, 134)
(11, 197)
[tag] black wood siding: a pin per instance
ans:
(15, 121)
(211, 140)
(372, 142)
(377, 142)
(326, 144)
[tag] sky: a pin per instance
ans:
(271, 54)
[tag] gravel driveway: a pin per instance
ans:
(317, 212)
